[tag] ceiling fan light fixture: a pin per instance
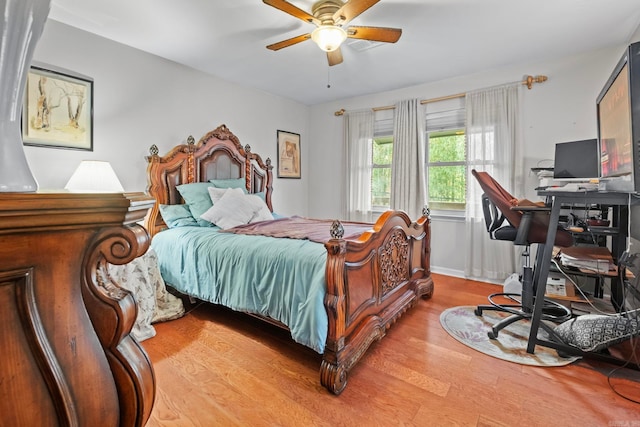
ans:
(328, 37)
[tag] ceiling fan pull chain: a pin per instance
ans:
(328, 77)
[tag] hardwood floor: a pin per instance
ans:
(216, 367)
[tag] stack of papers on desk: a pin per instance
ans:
(594, 258)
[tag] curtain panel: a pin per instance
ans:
(358, 137)
(494, 145)
(408, 184)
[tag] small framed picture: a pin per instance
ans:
(58, 110)
(288, 155)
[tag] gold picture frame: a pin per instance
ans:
(58, 110)
(288, 155)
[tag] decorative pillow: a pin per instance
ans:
(177, 216)
(197, 197)
(594, 332)
(216, 193)
(230, 183)
(263, 213)
(233, 209)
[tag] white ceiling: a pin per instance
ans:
(440, 39)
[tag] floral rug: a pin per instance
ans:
(511, 345)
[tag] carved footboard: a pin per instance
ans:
(371, 281)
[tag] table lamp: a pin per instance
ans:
(94, 176)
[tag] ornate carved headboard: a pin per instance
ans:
(217, 155)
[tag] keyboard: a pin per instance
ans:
(576, 186)
(598, 229)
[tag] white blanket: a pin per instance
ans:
(142, 278)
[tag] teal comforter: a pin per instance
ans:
(280, 278)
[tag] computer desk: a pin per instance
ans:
(620, 202)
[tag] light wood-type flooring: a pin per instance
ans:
(215, 367)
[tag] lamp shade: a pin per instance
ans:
(328, 37)
(94, 176)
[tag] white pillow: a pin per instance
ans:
(231, 210)
(263, 213)
(216, 193)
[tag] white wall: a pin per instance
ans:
(561, 109)
(141, 99)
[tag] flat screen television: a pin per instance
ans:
(618, 110)
(577, 161)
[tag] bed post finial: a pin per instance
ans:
(191, 140)
(337, 230)
(268, 162)
(247, 148)
(153, 150)
(426, 211)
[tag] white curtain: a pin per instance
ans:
(494, 145)
(358, 137)
(408, 185)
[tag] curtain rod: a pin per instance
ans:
(529, 81)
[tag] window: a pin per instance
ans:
(446, 151)
(382, 154)
(447, 169)
(446, 163)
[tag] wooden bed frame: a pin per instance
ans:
(371, 281)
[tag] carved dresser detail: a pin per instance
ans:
(67, 356)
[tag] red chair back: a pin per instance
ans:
(503, 200)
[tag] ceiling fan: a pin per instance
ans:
(330, 16)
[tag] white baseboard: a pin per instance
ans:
(460, 274)
(448, 272)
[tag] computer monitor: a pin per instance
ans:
(618, 109)
(577, 161)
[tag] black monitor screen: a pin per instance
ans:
(577, 160)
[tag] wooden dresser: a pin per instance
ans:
(66, 356)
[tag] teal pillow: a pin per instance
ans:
(177, 216)
(197, 197)
(230, 183)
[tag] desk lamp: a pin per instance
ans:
(94, 176)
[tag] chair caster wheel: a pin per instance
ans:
(477, 312)
(492, 335)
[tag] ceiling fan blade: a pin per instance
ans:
(292, 10)
(289, 42)
(334, 57)
(378, 34)
(351, 9)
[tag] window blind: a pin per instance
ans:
(443, 120)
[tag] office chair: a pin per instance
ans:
(519, 225)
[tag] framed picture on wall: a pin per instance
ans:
(288, 155)
(58, 109)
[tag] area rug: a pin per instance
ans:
(511, 345)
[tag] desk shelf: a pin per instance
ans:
(599, 278)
